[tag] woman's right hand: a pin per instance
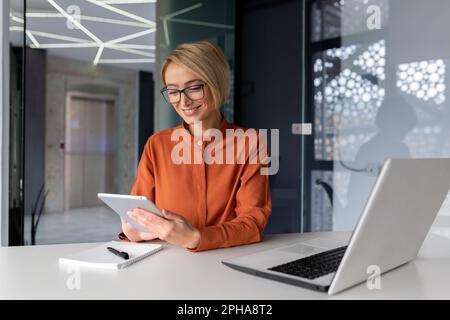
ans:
(134, 235)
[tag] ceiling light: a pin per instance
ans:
(32, 38)
(177, 13)
(66, 45)
(91, 45)
(134, 46)
(131, 36)
(94, 41)
(99, 54)
(202, 23)
(16, 19)
(170, 17)
(58, 37)
(75, 22)
(166, 31)
(122, 12)
(16, 29)
(80, 26)
(137, 52)
(87, 18)
(127, 61)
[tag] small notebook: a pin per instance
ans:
(101, 257)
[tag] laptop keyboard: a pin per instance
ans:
(314, 266)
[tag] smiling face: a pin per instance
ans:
(191, 110)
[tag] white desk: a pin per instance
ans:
(173, 273)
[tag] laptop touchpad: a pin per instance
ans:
(302, 249)
(328, 242)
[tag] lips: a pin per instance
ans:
(190, 111)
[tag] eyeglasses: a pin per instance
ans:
(173, 96)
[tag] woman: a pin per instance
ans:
(204, 205)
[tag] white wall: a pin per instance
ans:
(4, 120)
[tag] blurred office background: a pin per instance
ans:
(370, 75)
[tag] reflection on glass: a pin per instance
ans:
(321, 201)
(336, 18)
(347, 92)
(185, 21)
(88, 80)
(376, 95)
(424, 80)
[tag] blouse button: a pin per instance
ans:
(200, 142)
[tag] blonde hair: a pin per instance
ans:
(208, 62)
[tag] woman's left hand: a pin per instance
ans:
(172, 227)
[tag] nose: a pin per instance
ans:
(184, 100)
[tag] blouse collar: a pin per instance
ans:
(224, 125)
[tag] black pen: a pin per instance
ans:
(121, 254)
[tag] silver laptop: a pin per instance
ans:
(393, 225)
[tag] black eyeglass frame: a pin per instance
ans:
(202, 85)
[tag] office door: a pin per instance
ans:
(89, 150)
(269, 96)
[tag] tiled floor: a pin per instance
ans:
(95, 224)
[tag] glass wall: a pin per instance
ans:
(84, 65)
(378, 83)
(182, 21)
(17, 120)
(75, 120)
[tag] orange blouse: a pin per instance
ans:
(228, 203)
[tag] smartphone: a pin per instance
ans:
(122, 203)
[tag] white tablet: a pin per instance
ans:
(122, 203)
